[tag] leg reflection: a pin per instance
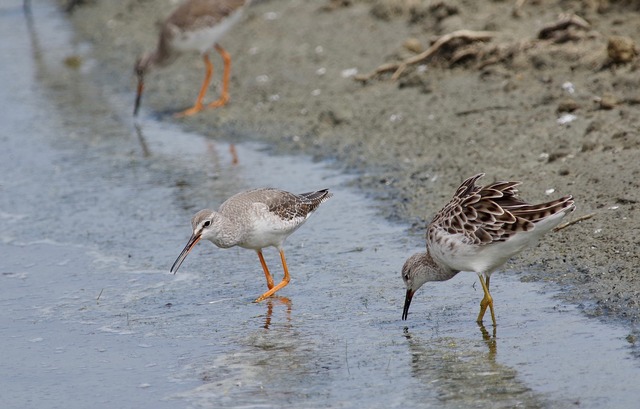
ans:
(234, 154)
(276, 299)
(489, 340)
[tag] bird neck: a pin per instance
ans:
(436, 270)
(163, 54)
(226, 233)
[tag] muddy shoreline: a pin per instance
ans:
(413, 140)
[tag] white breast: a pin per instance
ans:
(204, 38)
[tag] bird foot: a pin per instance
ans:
(190, 112)
(222, 101)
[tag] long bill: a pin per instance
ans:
(195, 238)
(138, 94)
(407, 303)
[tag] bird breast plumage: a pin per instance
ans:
(203, 36)
(267, 229)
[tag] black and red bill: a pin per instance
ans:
(192, 242)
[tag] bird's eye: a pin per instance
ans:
(207, 223)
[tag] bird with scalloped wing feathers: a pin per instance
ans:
(479, 230)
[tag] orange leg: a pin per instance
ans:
(224, 97)
(282, 284)
(266, 271)
(197, 107)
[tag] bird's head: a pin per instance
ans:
(205, 225)
(415, 273)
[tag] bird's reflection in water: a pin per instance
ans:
(233, 153)
(464, 372)
(212, 150)
(270, 302)
(490, 341)
(141, 139)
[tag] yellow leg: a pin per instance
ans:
(266, 270)
(282, 284)
(487, 301)
(197, 106)
(226, 74)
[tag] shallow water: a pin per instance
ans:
(93, 212)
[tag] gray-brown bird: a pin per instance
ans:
(195, 26)
(255, 219)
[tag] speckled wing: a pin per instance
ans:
(285, 205)
(196, 14)
(493, 213)
(289, 206)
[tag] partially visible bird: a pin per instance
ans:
(255, 219)
(479, 230)
(196, 25)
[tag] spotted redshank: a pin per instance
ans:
(479, 230)
(255, 219)
(196, 25)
